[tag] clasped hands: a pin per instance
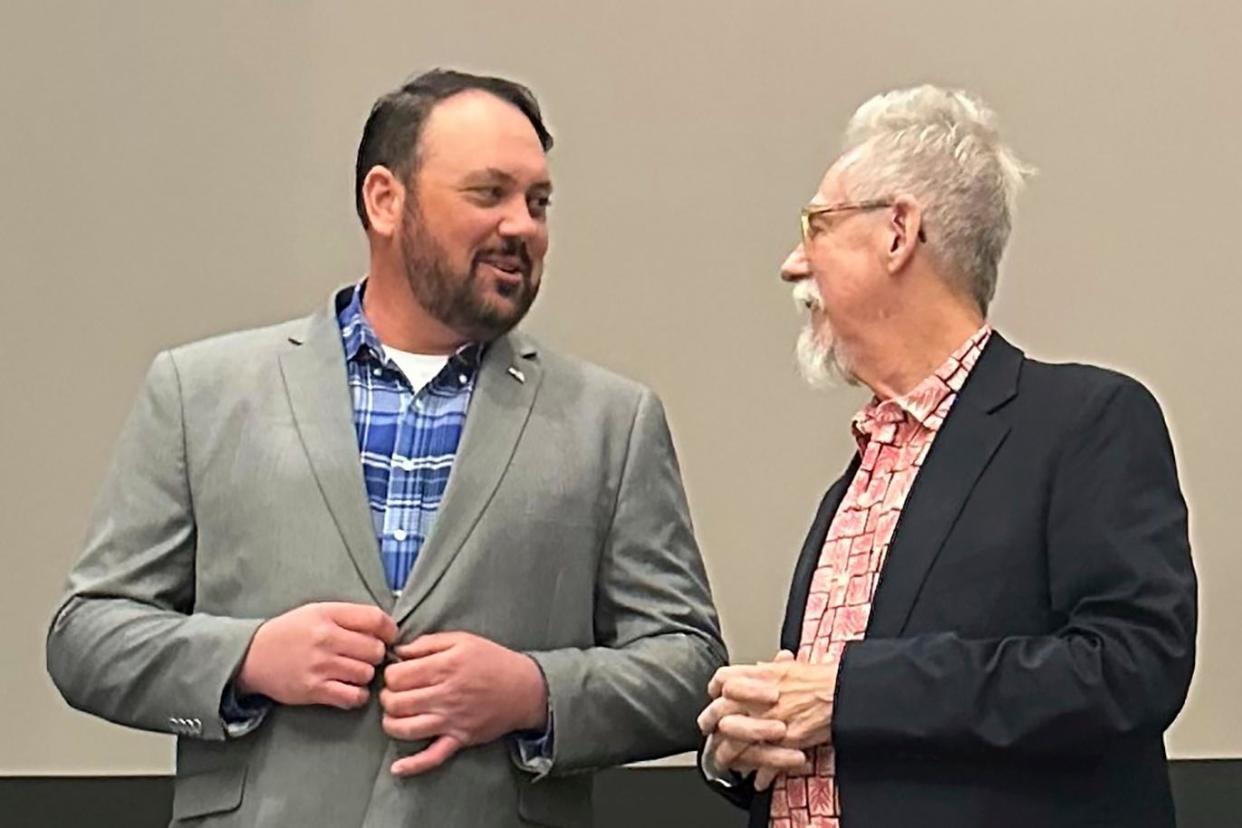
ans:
(765, 718)
(453, 688)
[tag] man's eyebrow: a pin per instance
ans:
(494, 174)
(490, 174)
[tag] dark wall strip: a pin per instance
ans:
(1208, 794)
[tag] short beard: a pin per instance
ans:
(455, 299)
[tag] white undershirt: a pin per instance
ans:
(419, 369)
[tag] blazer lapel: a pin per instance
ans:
(808, 558)
(969, 438)
(507, 384)
(318, 390)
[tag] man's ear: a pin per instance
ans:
(383, 196)
(905, 231)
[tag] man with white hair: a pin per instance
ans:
(992, 620)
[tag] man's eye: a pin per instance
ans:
(489, 193)
(539, 206)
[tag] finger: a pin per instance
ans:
(764, 778)
(799, 735)
(707, 720)
(439, 752)
(356, 645)
(722, 675)
(714, 712)
(347, 670)
(785, 655)
(363, 618)
(429, 644)
(729, 752)
(726, 674)
(410, 702)
(751, 691)
(413, 673)
(776, 757)
(756, 757)
(748, 729)
(342, 695)
(413, 728)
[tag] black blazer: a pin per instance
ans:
(1033, 632)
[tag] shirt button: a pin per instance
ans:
(377, 371)
(463, 379)
(398, 535)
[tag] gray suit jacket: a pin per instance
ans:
(236, 494)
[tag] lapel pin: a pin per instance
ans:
(516, 374)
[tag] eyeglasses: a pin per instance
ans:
(811, 211)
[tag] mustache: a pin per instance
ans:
(510, 248)
(806, 296)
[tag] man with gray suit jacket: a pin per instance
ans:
(394, 564)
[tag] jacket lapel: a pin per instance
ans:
(808, 558)
(969, 438)
(507, 384)
(318, 390)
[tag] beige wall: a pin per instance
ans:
(174, 170)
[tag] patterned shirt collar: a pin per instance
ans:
(927, 404)
(360, 339)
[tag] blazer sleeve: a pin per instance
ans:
(125, 643)
(1120, 577)
(637, 693)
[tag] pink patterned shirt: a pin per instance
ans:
(893, 437)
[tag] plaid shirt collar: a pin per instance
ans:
(361, 341)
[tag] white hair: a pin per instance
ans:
(820, 363)
(942, 147)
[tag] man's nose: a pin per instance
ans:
(795, 267)
(519, 223)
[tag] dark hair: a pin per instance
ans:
(390, 137)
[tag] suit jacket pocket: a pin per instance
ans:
(559, 802)
(211, 792)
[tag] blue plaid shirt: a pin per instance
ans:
(407, 437)
(408, 442)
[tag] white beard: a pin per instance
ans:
(819, 363)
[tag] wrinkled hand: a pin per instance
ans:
(740, 735)
(458, 689)
(752, 700)
(803, 695)
(317, 654)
